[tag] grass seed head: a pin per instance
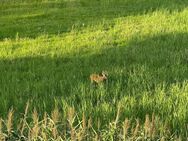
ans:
(135, 131)
(9, 121)
(126, 126)
(147, 125)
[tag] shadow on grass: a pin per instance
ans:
(35, 19)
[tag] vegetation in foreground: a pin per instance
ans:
(52, 127)
(48, 49)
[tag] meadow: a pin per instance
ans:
(48, 49)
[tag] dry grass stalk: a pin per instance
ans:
(166, 128)
(89, 125)
(71, 121)
(2, 137)
(54, 132)
(147, 125)
(84, 128)
(73, 134)
(24, 119)
(126, 126)
(97, 137)
(35, 129)
(70, 116)
(79, 135)
(44, 126)
(9, 122)
(152, 128)
(55, 115)
(55, 118)
(135, 131)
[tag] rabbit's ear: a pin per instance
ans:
(105, 73)
(102, 73)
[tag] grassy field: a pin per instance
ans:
(48, 49)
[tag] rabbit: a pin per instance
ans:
(98, 78)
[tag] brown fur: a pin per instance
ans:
(97, 78)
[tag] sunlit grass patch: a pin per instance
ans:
(49, 49)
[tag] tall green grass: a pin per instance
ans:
(48, 49)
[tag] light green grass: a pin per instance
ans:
(49, 49)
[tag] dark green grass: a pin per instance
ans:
(32, 19)
(49, 49)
